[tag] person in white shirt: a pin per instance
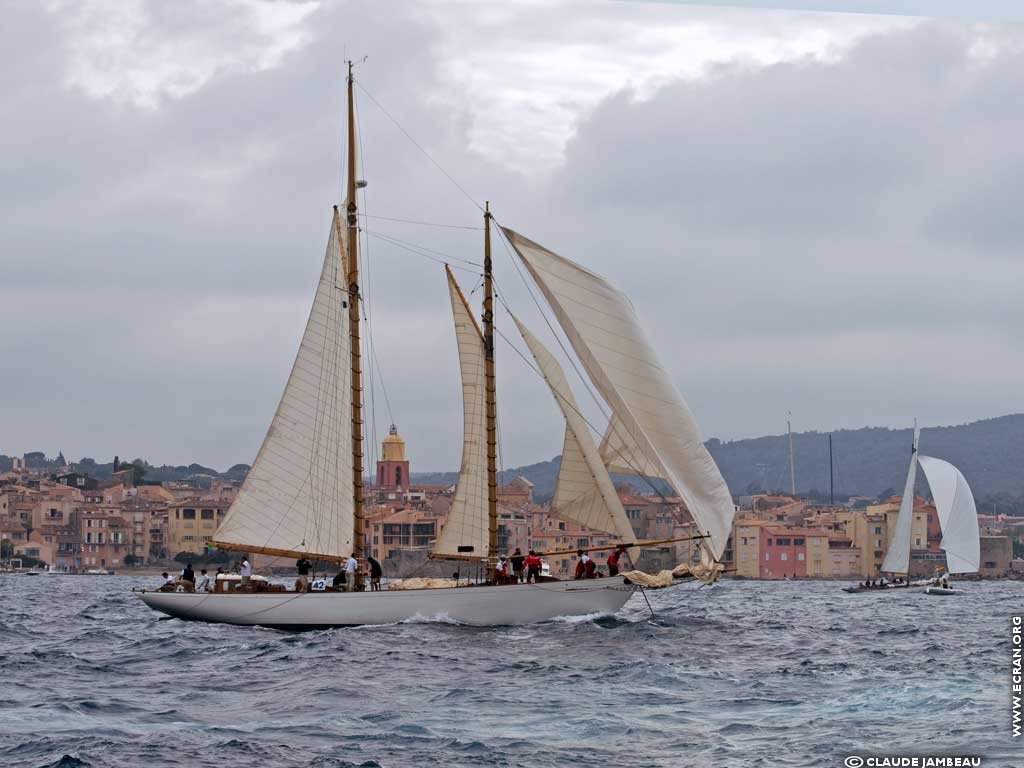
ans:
(203, 584)
(245, 571)
(501, 571)
(351, 566)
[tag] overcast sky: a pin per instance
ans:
(812, 212)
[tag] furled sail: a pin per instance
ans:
(465, 532)
(297, 498)
(958, 516)
(897, 558)
(584, 492)
(604, 330)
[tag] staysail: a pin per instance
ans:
(465, 532)
(958, 516)
(584, 492)
(297, 498)
(604, 330)
(897, 557)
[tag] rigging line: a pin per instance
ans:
(442, 254)
(419, 147)
(390, 241)
(366, 302)
(423, 223)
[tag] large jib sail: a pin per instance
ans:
(656, 430)
(897, 558)
(584, 492)
(465, 532)
(958, 516)
(297, 498)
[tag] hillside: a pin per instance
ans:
(871, 461)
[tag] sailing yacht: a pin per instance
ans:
(958, 520)
(303, 496)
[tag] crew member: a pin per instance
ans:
(375, 573)
(581, 564)
(187, 574)
(532, 568)
(351, 566)
(303, 566)
(613, 560)
(501, 571)
(245, 570)
(203, 585)
(517, 565)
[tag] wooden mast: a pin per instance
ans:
(353, 319)
(492, 428)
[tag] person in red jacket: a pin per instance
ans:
(581, 564)
(613, 560)
(590, 569)
(532, 564)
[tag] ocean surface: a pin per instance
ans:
(740, 674)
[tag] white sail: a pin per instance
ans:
(298, 495)
(602, 326)
(897, 557)
(584, 492)
(465, 532)
(958, 516)
(621, 453)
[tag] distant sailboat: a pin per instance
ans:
(958, 521)
(303, 496)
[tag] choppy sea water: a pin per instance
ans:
(740, 674)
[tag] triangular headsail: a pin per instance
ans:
(897, 557)
(604, 330)
(621, 453)
(957, 513)
(465, 532)
(584, 492)
(297, 498)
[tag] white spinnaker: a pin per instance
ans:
(584, 492)
(958, 515)
(897, 557)
(298, 495)
(604, 330)
(465, 532)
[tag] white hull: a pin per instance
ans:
(479, 606)
(940, 591)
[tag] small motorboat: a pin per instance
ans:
(937, 590)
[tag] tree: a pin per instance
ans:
(131, 560)
(6, 549)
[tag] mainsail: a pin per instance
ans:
(297, 498)
(958, 516)
(647, 408)
(465, 532)
(584, 492)
(897, 558)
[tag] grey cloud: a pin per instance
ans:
(836, 239)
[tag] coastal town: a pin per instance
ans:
(67, 521)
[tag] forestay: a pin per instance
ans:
(297, 498)
(897, 558)
(465, 532)
(584, 492)
(602, 326)
(958, 516)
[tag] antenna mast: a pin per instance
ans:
(792, 469)
(353, 319)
